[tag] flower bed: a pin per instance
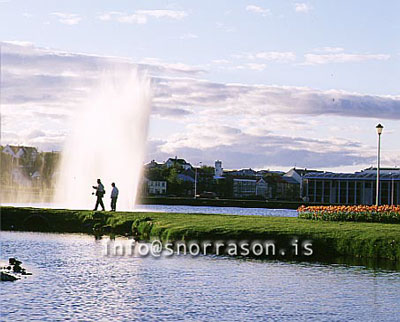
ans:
(383, 214)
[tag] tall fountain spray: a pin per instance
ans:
(107, 141)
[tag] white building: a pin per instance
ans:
(219, 171)
(178, 162)
(156, 187)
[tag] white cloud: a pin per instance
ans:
(189, 36)
(224, 27)
(259, 10)
(220, 61)
(235, 100)
(258, 67)
(172, 14)
(239, 123)
(255, 61)
(133, 19)
(329, 49)
(19, 43)
(280, 56)
(29, 70)
(67, 18)
(318, 59)
(239, 148)
(109, 15)
(302, 7)
(172, 67)
(26, 59)
(141, 16)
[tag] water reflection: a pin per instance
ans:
(72, 279)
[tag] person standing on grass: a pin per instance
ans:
(114, 197)
(100, 192)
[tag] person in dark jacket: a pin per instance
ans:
(100, 192)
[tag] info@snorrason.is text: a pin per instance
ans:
(157, 248)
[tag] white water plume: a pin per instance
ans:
(107, 141)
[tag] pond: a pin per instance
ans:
(73, 279)
(189, 209)
(220, 210)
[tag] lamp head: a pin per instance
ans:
(379, 129)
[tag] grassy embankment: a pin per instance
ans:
(329, 239)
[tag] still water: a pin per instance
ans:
(220, 210)
(187, 209)
(72, 279)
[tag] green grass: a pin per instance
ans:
(362, 240)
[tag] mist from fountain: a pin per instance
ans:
(108, 142)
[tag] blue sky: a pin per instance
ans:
(312, 52)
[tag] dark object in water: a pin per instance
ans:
(24, 272)
(14, 261)
(5, 277)
(13, 271)
(17, 268)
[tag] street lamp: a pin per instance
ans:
(392, 190)
(195, 181)
(379, 129)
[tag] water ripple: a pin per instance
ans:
(73, 281)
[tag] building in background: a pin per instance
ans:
(26, 153)
(241, 173)
(290, 185)
(219, 171)
(156, 187)
(245, 188)
(263, 189)
(287, 188)
(187, 176)
(180, 163)
(153, 164)
(353, 188)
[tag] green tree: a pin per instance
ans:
(174, 182)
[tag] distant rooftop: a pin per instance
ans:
(367, 174)
(381, 169)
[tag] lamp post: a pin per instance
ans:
(195, 181)
(379, 129)
(392, 189)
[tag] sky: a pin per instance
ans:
(260, 84)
